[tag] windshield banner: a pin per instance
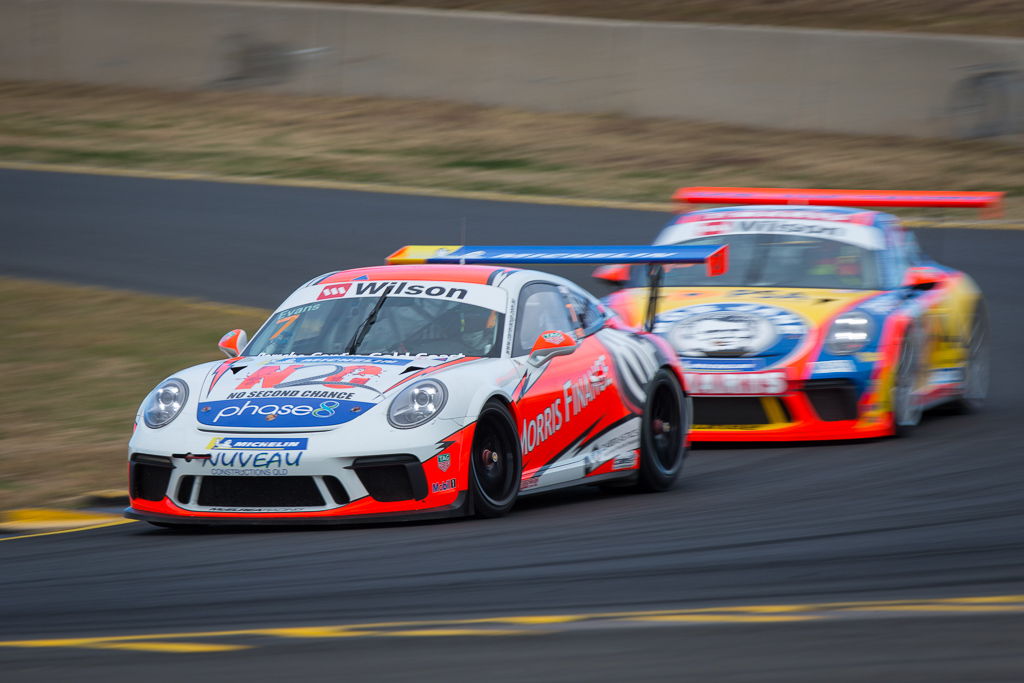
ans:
(485, 296)
(780, 223)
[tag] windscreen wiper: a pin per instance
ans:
(367, 323)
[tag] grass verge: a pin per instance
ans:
(460, 147)
(77, 362)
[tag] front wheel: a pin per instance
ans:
(495, 466)
(666, 421)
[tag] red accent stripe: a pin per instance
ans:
(425, 371)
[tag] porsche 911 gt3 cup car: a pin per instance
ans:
(409, 390)
(830, 324)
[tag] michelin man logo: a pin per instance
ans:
(724, 333)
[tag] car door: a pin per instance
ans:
(940, 315)
(561, 402)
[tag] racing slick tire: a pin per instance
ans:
(663, 430)
(976, 371)
(906, 412)
(495, 465)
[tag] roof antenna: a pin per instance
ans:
(462, 261)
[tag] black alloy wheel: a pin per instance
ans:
(495, 467)
(666, 422)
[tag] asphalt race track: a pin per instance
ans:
(892, 560)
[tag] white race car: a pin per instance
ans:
(417, 390)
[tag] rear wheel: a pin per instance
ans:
(495, 467)
(906, 411)
(976, 371)
(666, 421)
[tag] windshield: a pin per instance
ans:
(403, 325)
(778, 260)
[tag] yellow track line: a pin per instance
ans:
(68, 531)
(538, 624)
(666, 207)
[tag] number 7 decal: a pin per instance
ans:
(287, 321)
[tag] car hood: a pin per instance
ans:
(304, 392)
(714, 327)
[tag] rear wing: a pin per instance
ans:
(990, 203)
(715, 258)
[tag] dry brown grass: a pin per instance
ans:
(985, 17)
(465, 147)
(76, 363)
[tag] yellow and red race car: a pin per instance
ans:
(829, 322)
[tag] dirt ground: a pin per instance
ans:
(985, 17)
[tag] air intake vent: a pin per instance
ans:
(337, 491)
(148, 476)
(832, 399)
(746, 410)
(260, 492)
(391, 478)
(185, 486)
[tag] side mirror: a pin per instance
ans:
(922, 277)
(617, 275)
(550, 344)
(233, 342)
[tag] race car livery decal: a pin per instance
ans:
(343, 359)
(635, 360)
(732, 336)
(737, 384)
(234, 443)
(850, 228)
(775, 213)
(577, 393)
(486, 296)
(245, 464)
(425, 371)
(591, 449)
(279, 413)
(824, 367)
(332, 376)
(613, 449)
(218, 373)
(577, 397)
(335, 377)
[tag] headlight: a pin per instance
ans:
(850, 332)
(164, 404)
(417, 404)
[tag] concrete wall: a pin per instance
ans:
(854, 82)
